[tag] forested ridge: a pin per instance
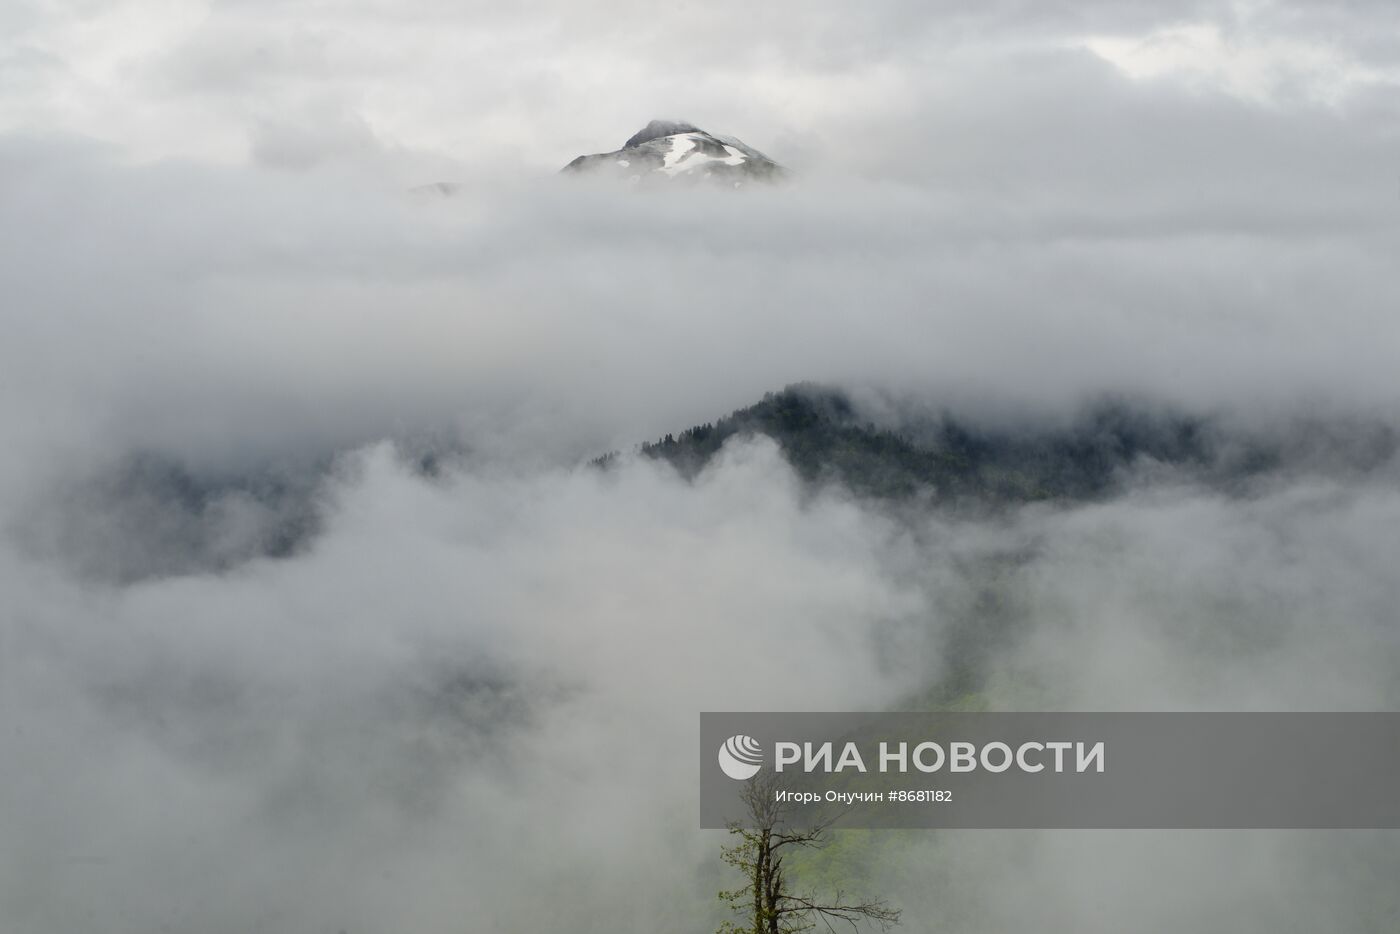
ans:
(826, 439)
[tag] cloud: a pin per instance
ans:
(436, 685)
(311, 618)
(543, 82)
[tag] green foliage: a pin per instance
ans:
(769, 901)
(746, 857)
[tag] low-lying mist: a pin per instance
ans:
(470, 702)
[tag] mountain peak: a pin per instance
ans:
(671, 151)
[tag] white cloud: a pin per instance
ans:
(1261, 69)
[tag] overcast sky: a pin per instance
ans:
(535, 83)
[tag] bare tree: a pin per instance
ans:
(768, 902)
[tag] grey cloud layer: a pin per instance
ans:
(1233, 256)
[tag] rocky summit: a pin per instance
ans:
(672, 151)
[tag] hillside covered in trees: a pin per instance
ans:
(955, 460)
